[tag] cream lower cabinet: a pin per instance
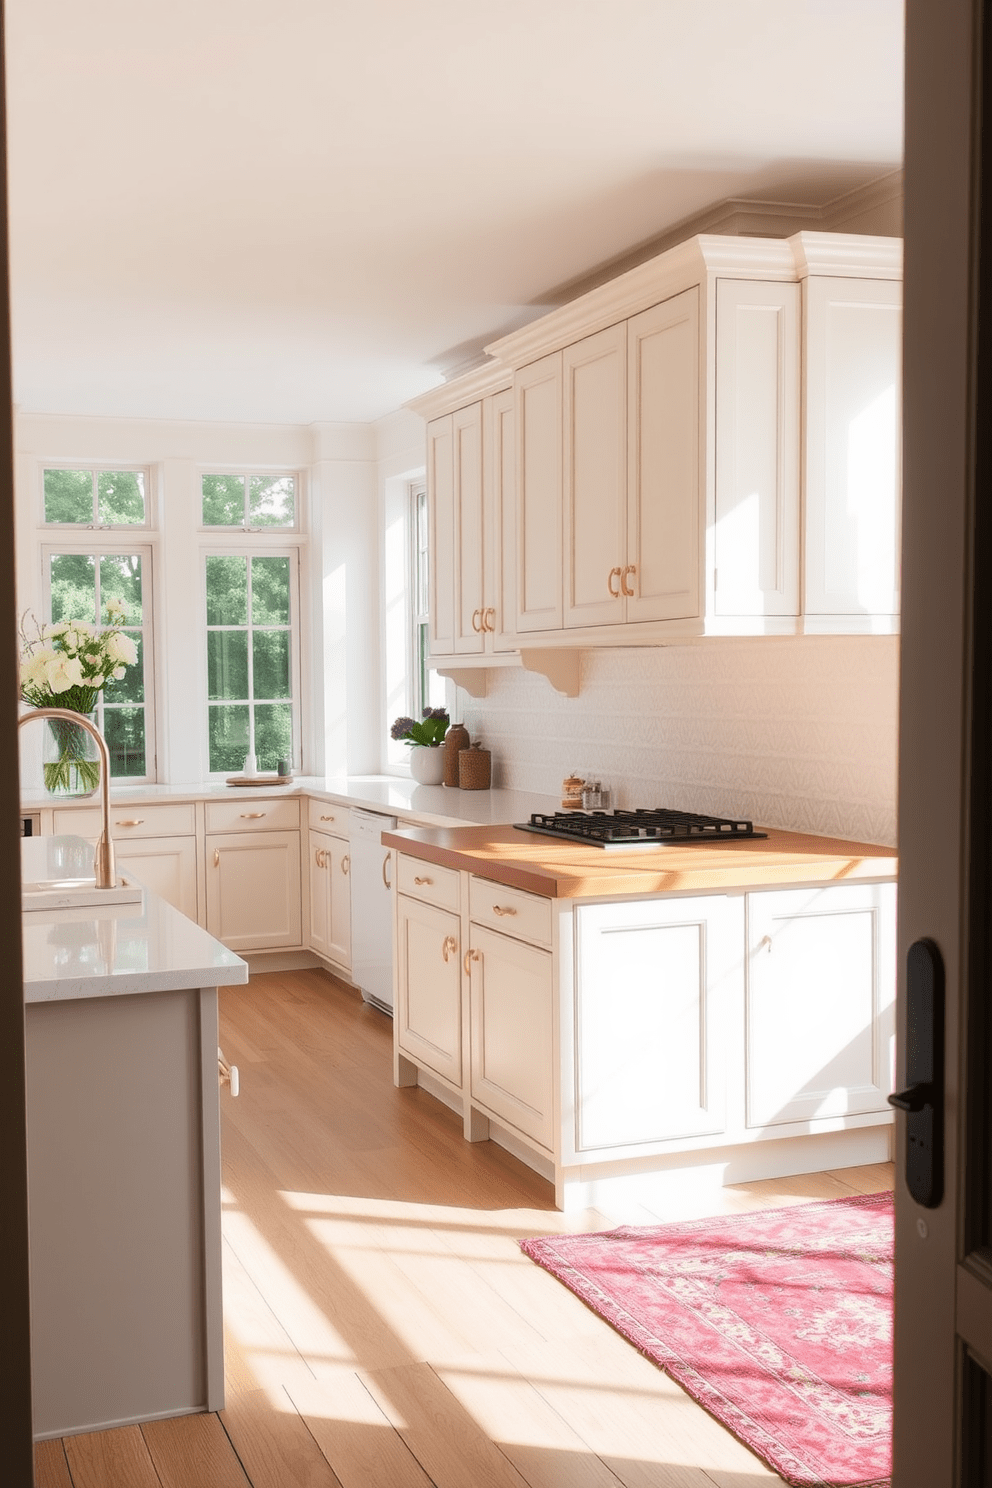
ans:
(156, 841)
(511, 1014)
(330, 898)
(648, 1042)
(819, 1007)
(166, 865)
(254, 889)
(427, 1017)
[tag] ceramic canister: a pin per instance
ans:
(455, 740)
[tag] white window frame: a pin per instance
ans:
(420, 632)
(109, 546)
(96, 469)
(273, 544)
(246, 473)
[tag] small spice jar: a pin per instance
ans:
(475, 768)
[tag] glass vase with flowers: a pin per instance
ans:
(67, 666)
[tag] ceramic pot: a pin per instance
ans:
(427, 764)
(455, 740)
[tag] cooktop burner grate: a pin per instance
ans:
(627, 830)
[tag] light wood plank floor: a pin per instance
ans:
(383, 1328)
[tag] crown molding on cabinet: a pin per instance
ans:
(847, 255)
(491, 377)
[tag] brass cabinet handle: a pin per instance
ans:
(449, 946)
(630, 569)
(498, 909)
(134, 822)
(346, 863)
(385, 865)
(471, 955)
(216, 857)
(477, 617)
(251, 815)
(318, 858)
(614, 573)
(327, 818)
(423, 880)
(489, 619)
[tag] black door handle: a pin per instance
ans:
(913, 1099)
(923, 1098)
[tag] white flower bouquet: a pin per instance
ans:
(67, 665)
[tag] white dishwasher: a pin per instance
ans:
(371, 908)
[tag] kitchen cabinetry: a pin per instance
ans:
(253, 874)
(329, 881)
(427, 1018)
(674, 434)
(469, 473)
(612, 1040)
(157, 842)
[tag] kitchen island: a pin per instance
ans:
(123, 1156)
(630, 1023)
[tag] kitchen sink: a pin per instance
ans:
(77, 893)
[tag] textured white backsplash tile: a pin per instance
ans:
(798, 733)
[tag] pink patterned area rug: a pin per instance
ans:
(779, 1322)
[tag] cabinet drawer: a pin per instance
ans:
(524, 916)
(253, 816)
(327, 816)
(427, 881)
(176, 819)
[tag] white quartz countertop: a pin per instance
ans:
(112, 951)
(394, 795)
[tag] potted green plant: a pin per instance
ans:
(425, 738)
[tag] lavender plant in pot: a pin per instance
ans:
(425, 738)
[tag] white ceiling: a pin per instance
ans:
(228, 209)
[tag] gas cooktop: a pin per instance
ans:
(626, 831)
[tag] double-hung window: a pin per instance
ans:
(252, 603)
(80, 576)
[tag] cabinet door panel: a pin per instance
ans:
(512, 1053)
(320, 899)
(663, 500)
(756, 540)
(502, 514)
(655, 985)
(429, 1005)
(166, 865)
(253, 889)
(441, 505)
(595, 478)
(339, 902)
(469, 561)
(820, 989)
(537, 391)
(853, 423)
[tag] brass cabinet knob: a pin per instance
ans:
(615, 573)
(449, 946)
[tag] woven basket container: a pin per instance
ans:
(475, 768)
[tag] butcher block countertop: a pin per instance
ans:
(567, 870)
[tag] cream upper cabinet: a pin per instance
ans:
(663, 463)
(538, 567)
(707, 445)
(755, 534)
(469, 479)
(853, 334)
(594, 376)
(441, 506)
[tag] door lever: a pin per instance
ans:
(923, 1097)
(912, 1099)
